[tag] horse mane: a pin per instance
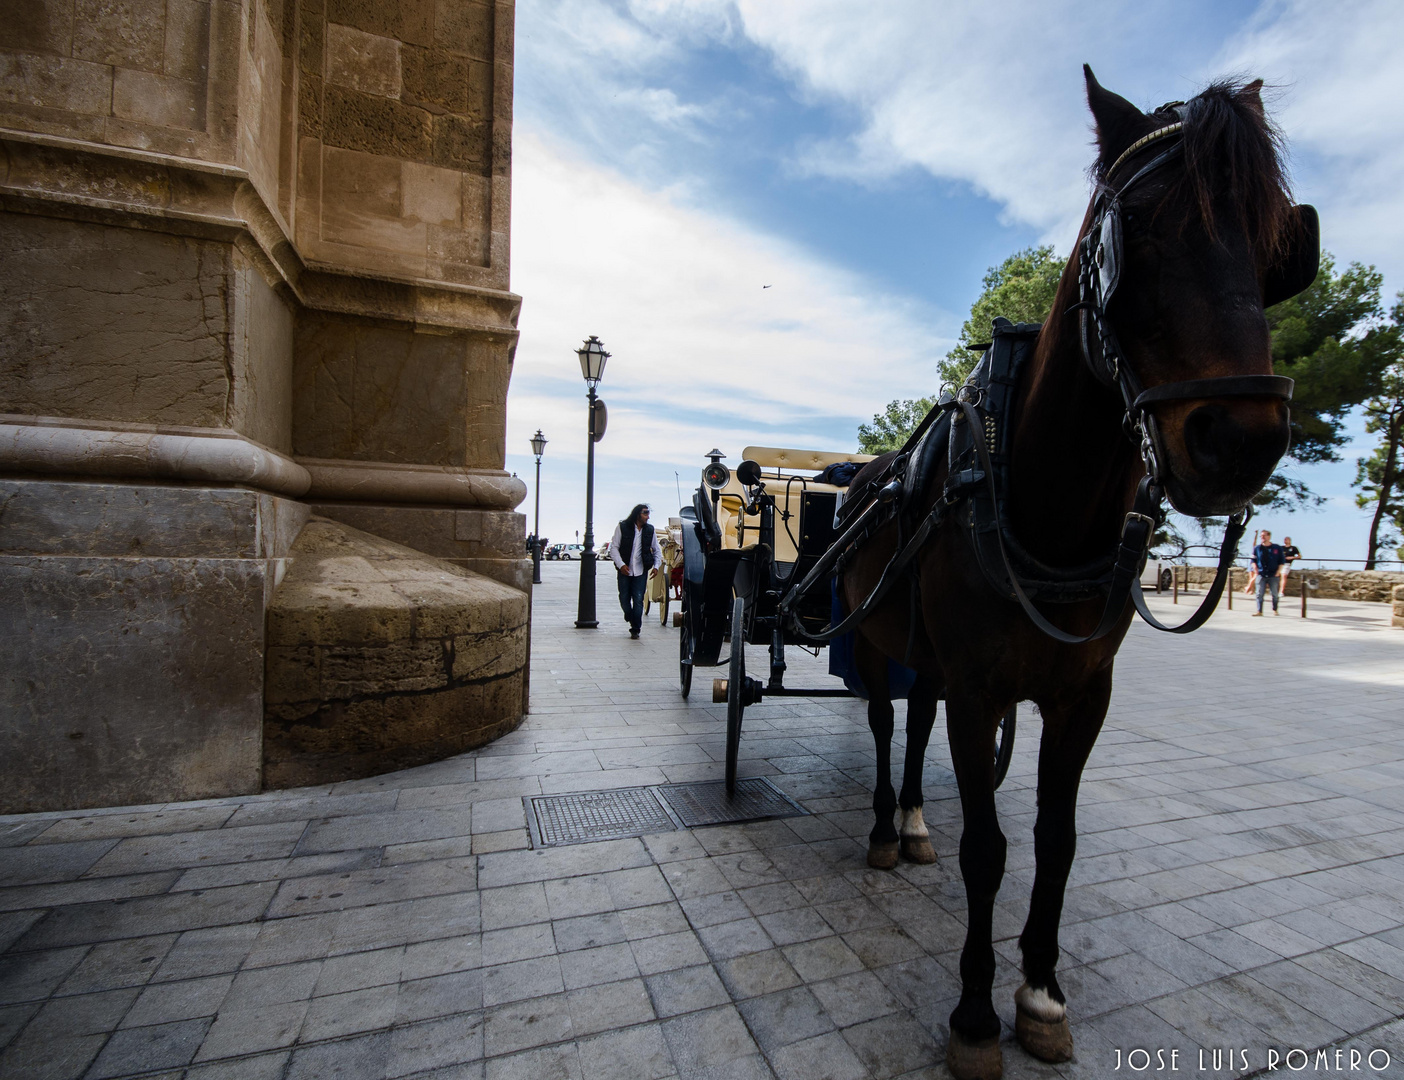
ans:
(1233, 162)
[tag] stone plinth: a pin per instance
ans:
(131, 640)
(381, 658)
(1397, 618)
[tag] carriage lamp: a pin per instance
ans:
(592, 364)
(538, 447)
(716, 475)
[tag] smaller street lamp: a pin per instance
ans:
(538, 447)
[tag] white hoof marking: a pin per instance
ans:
(912, 823)
(1038, 1004)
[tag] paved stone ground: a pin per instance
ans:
(1240, 884)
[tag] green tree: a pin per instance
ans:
(1333, 341)
(1380, 476)
(890, 428)
(1021, 289)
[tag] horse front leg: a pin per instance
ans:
(1070, 727)
(921, 715)
(872, 669)
(973, 1050)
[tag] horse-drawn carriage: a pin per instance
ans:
(756, 551)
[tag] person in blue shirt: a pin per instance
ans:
(1267, 560)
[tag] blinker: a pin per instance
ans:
(1109, 253)
(1298, 266)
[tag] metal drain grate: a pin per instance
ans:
(596, 815)
(706, 802)
(556, 820)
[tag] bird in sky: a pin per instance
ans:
(765, 286)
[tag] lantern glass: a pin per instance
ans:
(592, 360)
(538, 443)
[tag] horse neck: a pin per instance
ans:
(1073, 471)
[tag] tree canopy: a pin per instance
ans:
(1021, 288)
(1380, 476)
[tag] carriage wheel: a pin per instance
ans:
(1004, 743)
(735, 691)
(663, 609)
(685, 655)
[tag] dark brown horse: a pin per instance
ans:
(1202, 235)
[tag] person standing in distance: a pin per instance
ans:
(1268, 559)
(1290, 554)
(635, 552)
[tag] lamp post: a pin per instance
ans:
(538, 447)
(592, 364)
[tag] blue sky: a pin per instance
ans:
(868, 162)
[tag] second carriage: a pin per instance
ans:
(752, 541)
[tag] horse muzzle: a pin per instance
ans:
(1224, 454)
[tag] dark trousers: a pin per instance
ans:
(631, 598)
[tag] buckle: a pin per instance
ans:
(1134, 517)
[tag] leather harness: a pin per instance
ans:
(971, 430)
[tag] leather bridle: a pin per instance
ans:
(1099, 272)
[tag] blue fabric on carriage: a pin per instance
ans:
(842, 663)
(839, 474)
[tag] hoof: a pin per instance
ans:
(918, 849)
(1047, 1041)
(882, 856)
(974, 1060)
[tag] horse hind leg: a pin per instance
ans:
(883, 842)
(921, 715)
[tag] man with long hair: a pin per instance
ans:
(635, 552)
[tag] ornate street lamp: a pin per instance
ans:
(592, 364)
(538, 447)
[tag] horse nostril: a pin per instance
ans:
(1212, 439)
(1218, 444)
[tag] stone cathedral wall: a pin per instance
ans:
(256, 282)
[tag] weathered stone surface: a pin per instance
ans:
(129, 680)
(128, 325)
(485, 542)
(379, 657)
(46, 517)
(112, 323)
(374, 391)
(1397, 619)
(365, 62)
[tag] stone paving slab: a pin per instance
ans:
(1239, 885)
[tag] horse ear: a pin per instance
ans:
(1252, 96)
(1118, 121)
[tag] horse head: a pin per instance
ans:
(1191, 235)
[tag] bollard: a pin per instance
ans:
(1230, 589)
(1304, 592)
(1174, 584)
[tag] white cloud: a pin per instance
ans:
(1341, 83)
(702, 353)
